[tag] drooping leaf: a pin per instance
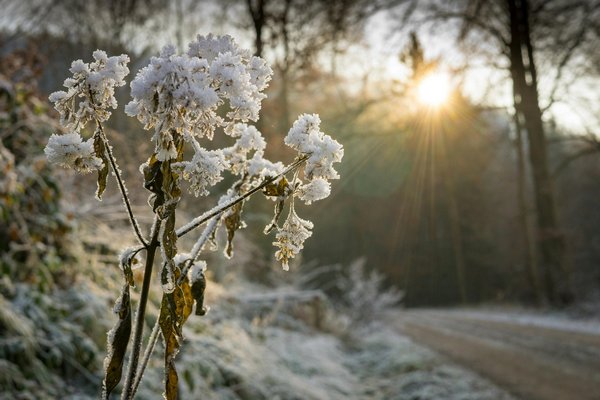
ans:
(188, 298)
(100, 152)
(172, 316)
(197, 292)
(126, 261)
(233, 222)
(153, 180)
(277, 189)
(280, 189)
(118, 339)
(169, 237)
(278, 210)
(169, 250)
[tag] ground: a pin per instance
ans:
(532, 356)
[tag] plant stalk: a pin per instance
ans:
(156, 329)
(141, 311)
(196, 222)
(121, 185)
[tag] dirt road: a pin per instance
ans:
(531, 362)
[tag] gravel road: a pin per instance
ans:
(530, 362)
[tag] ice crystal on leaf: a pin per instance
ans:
(70, 151)
(196, 270)
(306, 137)
(322, 151)
(209, 47)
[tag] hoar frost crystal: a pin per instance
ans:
(184, 100)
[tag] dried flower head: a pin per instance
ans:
(70, 151)
(90, 90)
(290, 237)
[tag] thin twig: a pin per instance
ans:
(139, 319)
(122, 188)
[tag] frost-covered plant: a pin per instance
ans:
(184, 100)
(365, 294)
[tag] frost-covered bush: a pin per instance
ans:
(365, 294)
(360, 293)
(183, 100)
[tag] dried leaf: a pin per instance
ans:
(100, 152)
(233, 222)
(126, 261)
(172, 316)
(169, 237)
(170, 181)
(281, 189)
(153, 178)
(118, 340)
(278, 210)
(188, 298)
(197, 292)
(278, 188)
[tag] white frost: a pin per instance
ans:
(70, 151)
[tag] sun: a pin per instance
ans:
(434, 89)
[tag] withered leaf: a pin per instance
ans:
(171, 319)
(118, 339)
(169, 237)
(278, 188)
(126, 260)
(197, 292)
(170, 181)
(100, 152)
(153, 179)
(188, 298)
(233, 222)
(278, 210)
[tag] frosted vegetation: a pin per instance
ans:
(183, 100)
(249, 347)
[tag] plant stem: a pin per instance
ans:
(146, 357)
(121, 184)
(196, 222)
(141, 311)
(156, 329)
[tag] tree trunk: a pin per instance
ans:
(531, 268)
(257, 13)
(556, 278)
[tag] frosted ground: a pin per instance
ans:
(253, 344)
(52, 346)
